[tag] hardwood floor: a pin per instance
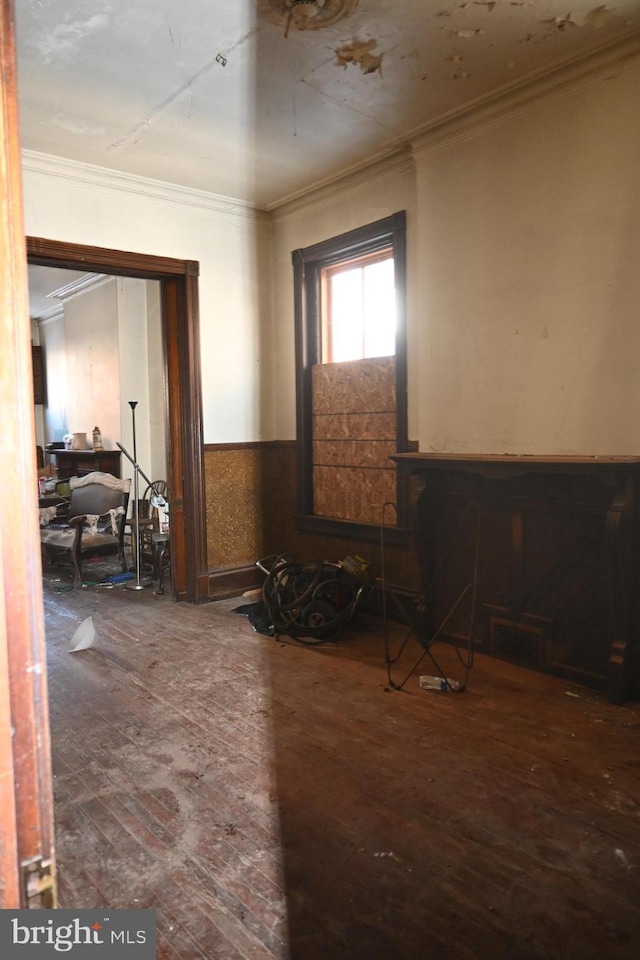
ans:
(274, 801)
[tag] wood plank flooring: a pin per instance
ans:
(278, 801)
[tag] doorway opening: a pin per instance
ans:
(178, 281)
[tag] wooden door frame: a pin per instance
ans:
(26, 805)
(183, 396)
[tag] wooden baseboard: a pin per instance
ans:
(233, 581)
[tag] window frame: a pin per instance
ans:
(308, 265)
(326, 275)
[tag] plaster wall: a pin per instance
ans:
(54, 351)
(524, 240)
(355, 202)
(83, 204)
(93, 367)
(157, 464)
(528, 244)
(141, 376)
(131, 304)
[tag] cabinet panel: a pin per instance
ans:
(553, 544)
(77, 463)
(39, 396)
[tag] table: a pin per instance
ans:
(159, 545)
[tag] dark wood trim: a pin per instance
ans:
(477, 462)
(74, 256)
(26, 803)
(249, 445)
(39, 386)
(402, 427)
(353, 243)
(188, 346)
(307, 266)
(306, 356)
(329, 527)
(599, 491)
(233, 581)
(183, 395)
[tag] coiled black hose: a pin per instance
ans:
(311, 604)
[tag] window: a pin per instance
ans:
(351, 381)
(359, 308)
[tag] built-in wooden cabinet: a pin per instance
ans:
(552, 545)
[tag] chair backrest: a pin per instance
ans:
(147, 509)
(97, 493)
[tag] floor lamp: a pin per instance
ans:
(136, 584)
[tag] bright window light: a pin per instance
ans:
(359, 309)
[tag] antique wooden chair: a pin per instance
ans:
(95, 527)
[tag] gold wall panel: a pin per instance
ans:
(234, 515)
(250, 509)
(249, 502)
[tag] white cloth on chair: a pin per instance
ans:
(106, 479)
(91, 520)
(47, 514)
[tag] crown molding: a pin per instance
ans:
(49, 315)
(362, 176)
(43, 166)
(480, 114)
(524, 95)
(77, 288)
(71, 291)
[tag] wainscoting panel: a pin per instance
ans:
(250, 510)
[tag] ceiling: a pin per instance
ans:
(44, 283)
(211, 94)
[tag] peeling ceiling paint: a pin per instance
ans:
(360, 53)
(214, 96)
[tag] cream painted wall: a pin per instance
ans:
(524, 287)
(54, 350)
(524, 239)
(358, 200)
(93, 364)
(81, 204)
(141, 376)
(157, 466)
(104, 349)
(529, 245)
(134, 377)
